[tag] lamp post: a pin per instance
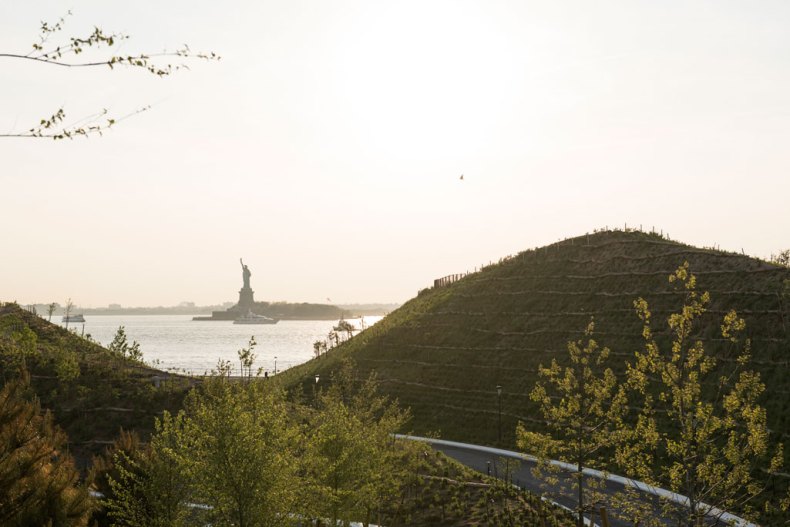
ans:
(275, 364)
(499, 405)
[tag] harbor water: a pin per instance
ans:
(179, 344)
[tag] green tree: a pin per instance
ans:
(344, 326)
(121, 346)
(334, 338)
(50, 309)
(38, 481)
(143, 484)
(352, 458)
(23, 343)
(67, 366)
(782, 258)
(701, 430)
(67, 52)
(103, 469)
(583, 405)
(235, 445)
(247, 358)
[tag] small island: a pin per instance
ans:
(274, 310)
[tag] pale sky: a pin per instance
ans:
(325, 148)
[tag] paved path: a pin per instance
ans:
(519, 472)
(517, 468)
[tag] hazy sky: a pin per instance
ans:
(326, 147)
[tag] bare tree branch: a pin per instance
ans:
(53, 126)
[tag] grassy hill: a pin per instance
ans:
(91, 391)
(444, 353)
(94, 392)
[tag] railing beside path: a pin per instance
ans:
(626, 482)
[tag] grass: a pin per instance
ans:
(442, 492)
(98, 395)
(110, 392)
(444, 352)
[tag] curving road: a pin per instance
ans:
(517, 468)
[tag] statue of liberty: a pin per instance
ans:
(245, 273)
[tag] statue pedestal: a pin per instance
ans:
(246, 300)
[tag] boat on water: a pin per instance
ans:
(252, 318)
(73, 318)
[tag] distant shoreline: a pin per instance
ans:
(351, 310)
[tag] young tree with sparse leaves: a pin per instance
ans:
(69, 307)
(701, 431)
(344, 326)
(120, 345)
(583, 405)
(247, 358)
(782, 259)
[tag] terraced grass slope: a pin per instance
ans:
(92, 392)
(443, 353)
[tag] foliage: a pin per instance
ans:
(583, 405)
(121, 346)
(443, 353)
(67, 367)
(18, 343)
(65, 53)
(248, 458)
(442, 492)
(247, 358)
(317, 346)
(234, 445)
(103, 469)
(782, 259)
(701, 436)
(91, 392)
(146, 484)
(38, 480)
(344, 326)
(351, 455)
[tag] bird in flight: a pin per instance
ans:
(462, 177)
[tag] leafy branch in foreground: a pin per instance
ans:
(583, 405)
(65, 54)
(703, 437)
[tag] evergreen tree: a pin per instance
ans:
(38, 481)
(142, 484)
